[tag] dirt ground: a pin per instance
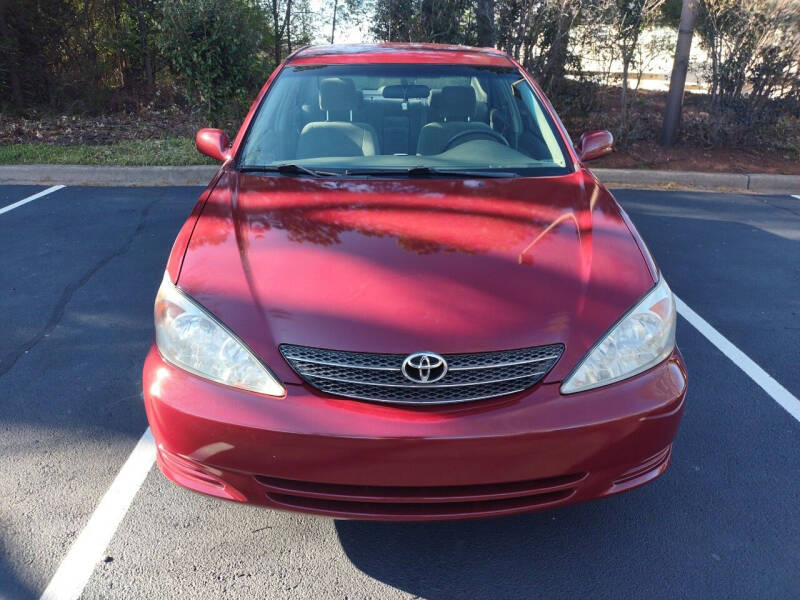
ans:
(69, 130)
(648, 155)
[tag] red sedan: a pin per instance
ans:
(404, 296)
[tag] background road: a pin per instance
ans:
(80, 268)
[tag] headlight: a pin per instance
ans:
(189, 337)
(641, 339)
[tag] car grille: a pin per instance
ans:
(379, 378)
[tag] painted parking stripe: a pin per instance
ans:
(75, 570)
(49, 190)
(798, 197)
(767, 383)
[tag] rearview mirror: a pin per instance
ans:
(213, 143)
(594, 144)
(406, 92)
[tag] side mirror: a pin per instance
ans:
(213, 143)
(594, 144)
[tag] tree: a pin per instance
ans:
(537, 33)
(392, 20)
(346, 11)
(437, 21)
(11, 59)
(280, 28)
(628, 19)
(292, 26)
(195, 38)
(672, 113)
(333, 21)
(485, 18)
(39, 41)
(751, 42)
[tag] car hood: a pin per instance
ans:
(400, 266)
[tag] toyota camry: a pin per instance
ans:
(404, 296)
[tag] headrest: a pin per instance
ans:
(454, 103)
(406, 91)
(336, 93)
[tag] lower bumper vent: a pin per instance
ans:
(419, 502)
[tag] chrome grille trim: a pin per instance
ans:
(418, 396)
(378, 377)
(427, 386)
(344, 366)
(507, 364)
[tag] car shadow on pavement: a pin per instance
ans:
(717, 524)
(11, 583)
(576, 551)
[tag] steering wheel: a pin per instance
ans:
(489, 133)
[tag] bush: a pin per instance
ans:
(213, 46)
(754, 47)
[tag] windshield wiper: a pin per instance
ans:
(285, 169)
(420, 171)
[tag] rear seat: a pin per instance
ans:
(398, 121)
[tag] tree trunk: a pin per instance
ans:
(333, 23)
(623, 113)
(287, 26)
(554, 68)
(13, 66)
(276, 32)
(485, 18)
(715, 87)
(146, 61)
(677, 82)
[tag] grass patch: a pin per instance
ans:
(168, 152)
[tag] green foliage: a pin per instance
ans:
(33, 44)
(172, 151)
(436, 21)
(79, 56)
(75, 55)
(671, 13)
(212, 45)
(754, 67)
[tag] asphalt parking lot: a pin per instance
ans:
(80, 267)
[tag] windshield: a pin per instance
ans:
(415, 119)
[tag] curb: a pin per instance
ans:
(106, 176)
(758, 183)
(201, 175)
(775, 184)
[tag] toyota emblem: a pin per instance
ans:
(424, 367)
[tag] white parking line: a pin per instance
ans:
(49, 190)
(798, 197)
(779, 393)
(75, 570)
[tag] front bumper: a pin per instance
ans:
(353, 459)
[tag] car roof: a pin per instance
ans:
(399, 53)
